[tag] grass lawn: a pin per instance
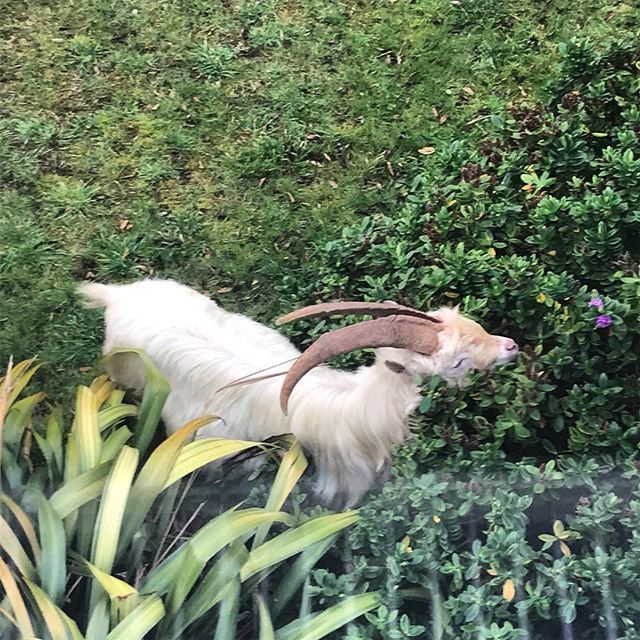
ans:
(214, 141)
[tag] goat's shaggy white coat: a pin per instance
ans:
(347, 420)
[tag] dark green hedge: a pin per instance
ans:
(536, 233)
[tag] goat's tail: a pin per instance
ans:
(95, 295)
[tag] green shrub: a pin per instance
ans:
(535, 231)
(527, 232)
(540, 551)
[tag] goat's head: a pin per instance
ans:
(463, 345)
(443, 342)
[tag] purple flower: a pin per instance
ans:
(597, 303)
(603, 321)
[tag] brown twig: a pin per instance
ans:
(181, 532)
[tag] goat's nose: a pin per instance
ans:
(510, 345)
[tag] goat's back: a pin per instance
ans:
(198, 346)
(150, 314)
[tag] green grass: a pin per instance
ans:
(213, 141)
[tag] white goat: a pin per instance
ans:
(348, 421)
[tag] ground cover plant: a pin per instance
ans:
(92, 546)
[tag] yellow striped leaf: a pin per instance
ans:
(330, 619)
(5, 614)
(294, 541)
(141, 620)
(112, 415)
(19, 418)
(266, 626)
(99, 621)
(54, 435)
(53, 568)
(112, 508)
(226, 628)
(116, 398)
(77, 492)
(151, 480)
(25, 524)
(71, 462)
(297, 573)
(21, 615)
(208, 541)
(114, 587)
(211, 588)
(11, 545)
(124, 598)
(204, 451)
(101, 388)
(52, 616)
(21, 375)
(85, 429)
(154, 396)
(291, 468)
(114, 443)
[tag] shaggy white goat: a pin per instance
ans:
(346, 420)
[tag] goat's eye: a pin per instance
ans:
(459, 363)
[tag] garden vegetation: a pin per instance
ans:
(274, 154)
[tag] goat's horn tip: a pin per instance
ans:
(287, 317)
(285, 401)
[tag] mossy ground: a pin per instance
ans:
(213, 141)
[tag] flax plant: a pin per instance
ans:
(80, 555)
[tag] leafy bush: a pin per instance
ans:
(90, 537)
(536, 233)
(506, 550)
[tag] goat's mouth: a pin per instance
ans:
(505, 358)
(510, 355)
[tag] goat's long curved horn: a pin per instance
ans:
(376, 309)
(402, 332)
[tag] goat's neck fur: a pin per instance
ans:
(350, 423)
